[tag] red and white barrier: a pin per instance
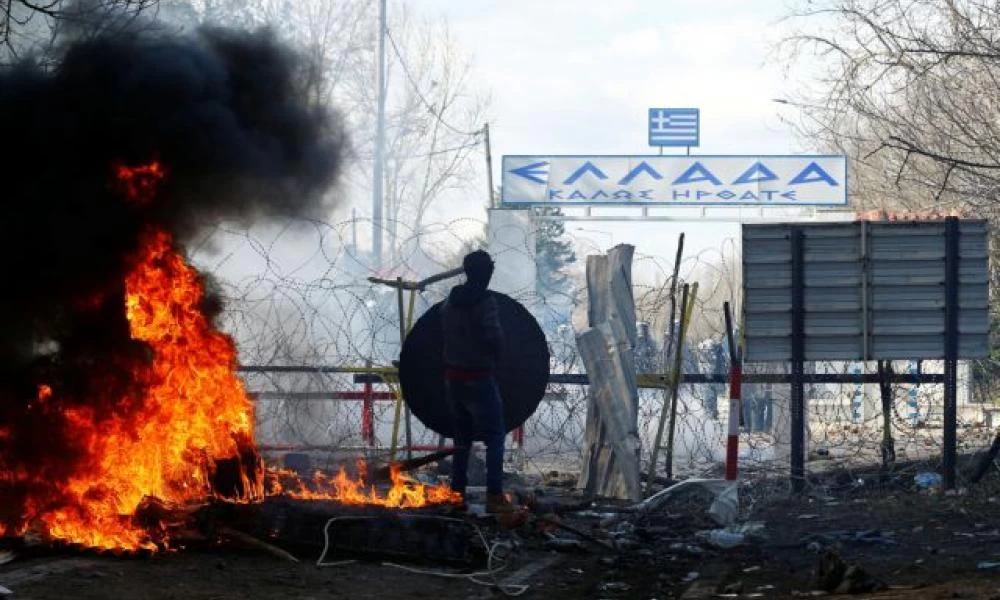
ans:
(733, 441)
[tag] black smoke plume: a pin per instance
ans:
(220, 110)
(224, 115)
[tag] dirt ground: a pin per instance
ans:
(916, 544)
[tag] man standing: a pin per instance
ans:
(472, 342)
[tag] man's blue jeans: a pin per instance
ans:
(477, 411)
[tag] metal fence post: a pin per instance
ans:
(951, 259)
(735, 393)
(798, 358)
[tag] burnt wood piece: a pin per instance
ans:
(421, 536)
(385, 473)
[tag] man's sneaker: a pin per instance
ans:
(498, 504)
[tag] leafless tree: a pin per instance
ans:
(32, 28)
(433, 117)
(908, 89)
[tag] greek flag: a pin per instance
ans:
(673, 127)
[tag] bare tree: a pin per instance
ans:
(907, 88)
(433, 117)
(32, 28)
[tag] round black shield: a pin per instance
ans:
(522, 372)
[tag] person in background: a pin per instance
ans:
(472, 342)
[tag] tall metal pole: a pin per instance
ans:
(489, 166)
(798, 357)
(378, 177)
(951, 282)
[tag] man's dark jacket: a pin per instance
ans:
(472, 334)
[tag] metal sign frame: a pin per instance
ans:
(642, 180)
(957, 253)
(868, 290)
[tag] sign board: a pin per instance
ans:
(872, 290)
(674, 180)
(673, 127)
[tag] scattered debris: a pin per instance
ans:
(615, 586)
(927, 479)
(870, 537)
(6, 556)
(733, 536)
(722, 538)
(5, 591)
(835, 576)
(554, 542)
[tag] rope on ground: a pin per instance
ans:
(499, 554)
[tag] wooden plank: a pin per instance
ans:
(609, 388)
(614, 397)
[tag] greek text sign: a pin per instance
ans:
(675, 180)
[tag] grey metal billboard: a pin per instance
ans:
(872, 290)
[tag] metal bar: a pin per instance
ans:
(735, 394)
(394, 443)
(687, 308)
(378, 166)
(489, 166)
(654, 452)
(368, 415)
(865, 286)
(365, 395)
(798, 359)
(329, 448)
(418, 285)
(730, 336)
(409, 311)
(659, 381)
(402, 339)
(951, 259)
(315, 369)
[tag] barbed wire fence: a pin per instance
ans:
(298, 295)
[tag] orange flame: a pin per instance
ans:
(193, 412)
(403, 493)
(140, 183)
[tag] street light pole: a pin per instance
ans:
(378, 176)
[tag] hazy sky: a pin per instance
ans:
(578, 76)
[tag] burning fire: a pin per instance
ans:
(163, 444)
(194, 411)
(404, 492)
(186, 416)
(139, 183)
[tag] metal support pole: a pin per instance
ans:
(798, 359)
(951, 258)
(402, 339)
(368, 413)
(735, 393)
(489, 166)
(378, 177)
(670, 406)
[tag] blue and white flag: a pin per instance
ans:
(673, 127)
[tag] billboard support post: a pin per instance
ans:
(798, 359)
(951, 259)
